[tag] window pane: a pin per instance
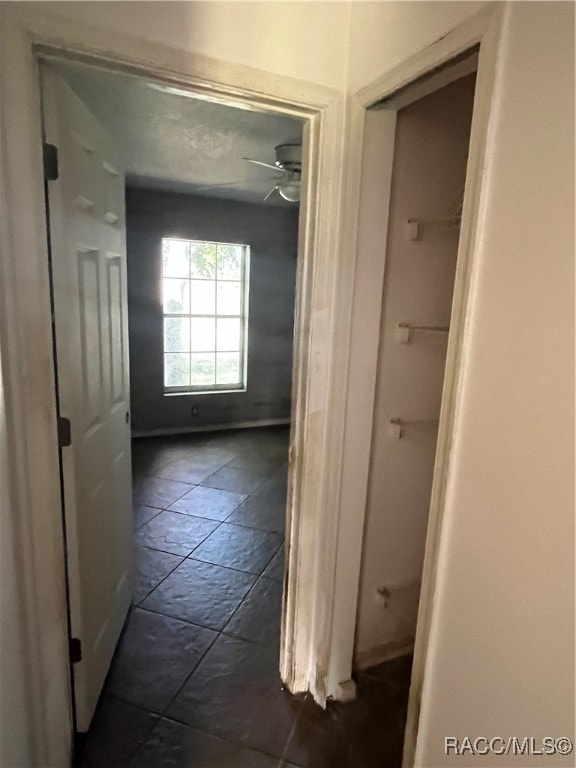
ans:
(203, 260)
(203, 373)
(203, 334)
(228, 368)
(177, 370)
(229, 295)
(176, 334)
(230, 262)
(203, 297)
(176, 296)
(228, 335)
(175, 261)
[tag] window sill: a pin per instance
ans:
(186, 393)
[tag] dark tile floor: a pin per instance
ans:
(194, 682)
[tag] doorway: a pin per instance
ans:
(216, 483)
(428, 179)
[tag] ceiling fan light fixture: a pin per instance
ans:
(290, 191)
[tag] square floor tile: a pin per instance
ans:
(319, 740)
(275, 486)
(149, 460)
(201, 593)
(275, 568)
(259, 615)
(234, 479)
(151, 566)
(236, 547)
(255, 460)
(236, 693)
(271, 442)
(173, 745)
(157, 492)
(208, 450)
(235, 440)
(154, 657)
(175, 533)
(116, 732)
(208, 502)
(143, 514)
(188, 470)
(260, 511)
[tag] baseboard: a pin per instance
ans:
(382, 653)
(166, 431)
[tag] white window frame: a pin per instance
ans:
(243, 317)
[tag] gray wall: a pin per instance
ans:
(271, 233)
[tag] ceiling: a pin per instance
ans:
(173, 141)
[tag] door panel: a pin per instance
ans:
(87, 228)
(116, 311)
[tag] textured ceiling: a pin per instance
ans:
(172, 141)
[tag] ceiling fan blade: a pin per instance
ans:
(270, 193)
(226, 184)
(266, 165)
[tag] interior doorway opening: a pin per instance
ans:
(428, 180)
(432, 129)
(164, 266)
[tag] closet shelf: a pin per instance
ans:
(406, 330)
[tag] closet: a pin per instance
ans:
(428, 178)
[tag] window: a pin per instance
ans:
(205, 314)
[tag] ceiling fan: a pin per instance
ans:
(288, 165)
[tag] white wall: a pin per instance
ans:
(305, 40)
(383, 34)
(15, 748)
(501, 660)
(430, 154)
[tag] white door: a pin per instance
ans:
(87, 231)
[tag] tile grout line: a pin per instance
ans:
(283, 758)
(137, 605)
(261, 576)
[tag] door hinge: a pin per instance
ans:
(50, 153)
(64, 432)
(75, 650)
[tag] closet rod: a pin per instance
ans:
(414, 227)
(405, 330)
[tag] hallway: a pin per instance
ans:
(194, 682)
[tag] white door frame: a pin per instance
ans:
(320, 359)
(370, 150)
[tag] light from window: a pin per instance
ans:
(205, 313)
